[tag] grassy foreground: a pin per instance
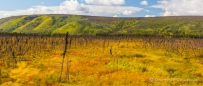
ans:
(100, 61)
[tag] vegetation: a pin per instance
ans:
(96, 60)
(35, 50)
(191, 27)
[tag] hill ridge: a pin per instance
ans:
(53, 24)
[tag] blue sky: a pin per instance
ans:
(110, 8)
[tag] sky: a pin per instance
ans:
(109, 8)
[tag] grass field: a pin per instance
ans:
(100, 61)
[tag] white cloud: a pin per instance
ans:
(180, 7)
(110, 10)
(147, 11)
(144, 3)
(105, 2)
(150, 16)
(115, 16)
(127, 12)
(74, 7)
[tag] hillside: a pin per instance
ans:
(89, 25)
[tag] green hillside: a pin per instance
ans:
(89, 25)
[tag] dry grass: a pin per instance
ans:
(130, 65)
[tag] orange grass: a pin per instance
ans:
(132, 64)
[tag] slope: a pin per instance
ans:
(185, 26)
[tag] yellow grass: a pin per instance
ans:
(130, 65)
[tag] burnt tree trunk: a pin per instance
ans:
(64, 54)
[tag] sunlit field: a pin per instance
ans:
(100, 61)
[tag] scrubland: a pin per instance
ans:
(100, 61)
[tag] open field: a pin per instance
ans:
(100, 61)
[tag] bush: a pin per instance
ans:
(51, 79)
(133, 56)
(4, 74)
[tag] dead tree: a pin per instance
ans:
(64, 54)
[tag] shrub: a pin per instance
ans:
(50, 79)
